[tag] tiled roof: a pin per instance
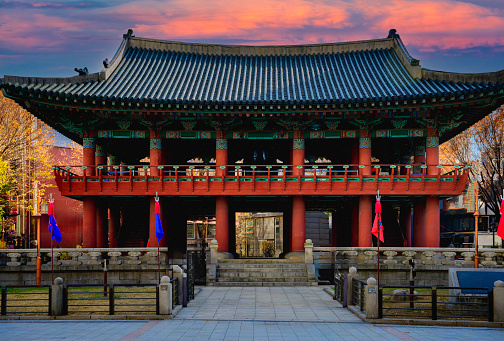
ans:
(167, 75)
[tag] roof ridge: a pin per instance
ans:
(260, 50)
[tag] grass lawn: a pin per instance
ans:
(88, 300)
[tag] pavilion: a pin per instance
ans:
(219, 129)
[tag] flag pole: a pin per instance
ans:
(378, 197)
(158, 260)
(51, 200)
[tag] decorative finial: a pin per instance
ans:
(378, 196)
(51, 200)
(393, 33)
(156, 198)
(106, 63)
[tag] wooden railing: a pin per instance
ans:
(278, 179)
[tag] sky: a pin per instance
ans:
(51, 38)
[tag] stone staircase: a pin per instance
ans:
(263, 272)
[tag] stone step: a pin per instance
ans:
(263, 279)
(265, 284)
(262, 267)
(261, 261)
(260, 274)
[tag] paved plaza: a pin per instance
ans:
(277, 313)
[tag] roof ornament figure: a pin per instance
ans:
(106, 63)
(129, 34)
(393, 33)
(82, 72)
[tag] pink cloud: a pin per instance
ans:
(425, 24)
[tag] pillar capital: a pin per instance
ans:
(298, 144)
(155, 143)
(221, 144)
(432, 142)
(419, 151)
(365, 142)
(88, 143)
(100, 151)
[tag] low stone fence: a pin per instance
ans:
(430, 264)
(84, 266)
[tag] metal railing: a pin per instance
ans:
(340, 288)
(175, 292)
(36, 300)
(425, 302)
(84, 299)
(134, 298)
(358, 293)
(193, 260)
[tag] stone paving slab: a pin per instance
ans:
(185, 330)
(266, 303)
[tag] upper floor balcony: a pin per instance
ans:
(278, 179)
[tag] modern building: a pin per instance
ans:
(218, 129)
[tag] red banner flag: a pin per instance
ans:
(377, 230)
(500, 229)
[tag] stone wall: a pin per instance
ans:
(84, 266)
(431, 264)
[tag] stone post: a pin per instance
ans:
(214, 251)
(498, 303)
(310, 267)
(179, 274)
(212, 261)
(352, 273)
(165, 296)
(57, 302)
(308, 247)
(372, 299)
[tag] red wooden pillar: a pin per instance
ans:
(101, 224)
(355, 222)
(222, 223)
(419, 156)
(298, 153)
(432, 202)
(88, 152)
(334, 233)
(89, 222)
(419, 223)
(155, 152)
(100, 156)
(365, 153)
(432, 153)
(298, 231)
(365, 221)
(432, 221)
(406, 210)
(221, 155)
(114, 220)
